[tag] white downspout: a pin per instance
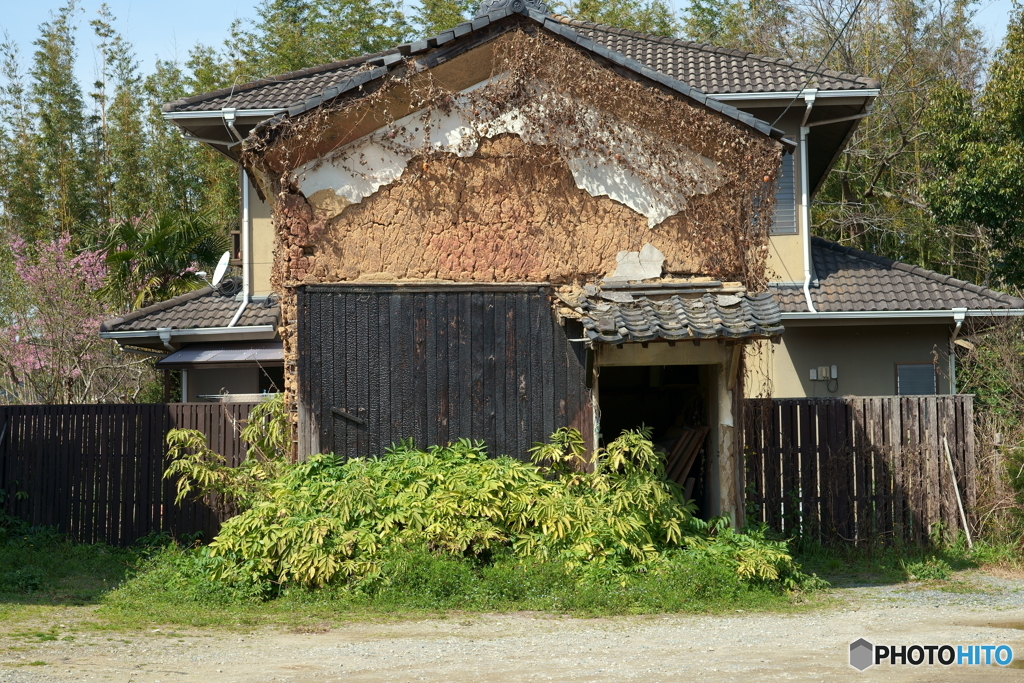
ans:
(245, 249)
(958, 317)
(805, 198)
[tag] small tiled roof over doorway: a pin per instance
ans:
(667, 311)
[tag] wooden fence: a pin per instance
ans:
(95, 472)
(860, 469)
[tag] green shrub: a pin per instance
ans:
(403, 523)
(203, 472)
(931, 569)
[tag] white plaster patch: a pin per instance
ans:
(360, 168)
(638, 265)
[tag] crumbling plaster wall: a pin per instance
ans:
(512, 203)
(499, 216)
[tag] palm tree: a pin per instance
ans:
(156, 257)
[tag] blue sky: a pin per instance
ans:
(157, 28)
(169, 29)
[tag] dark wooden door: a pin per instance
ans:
(378, 364)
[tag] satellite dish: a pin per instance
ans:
(222, 267)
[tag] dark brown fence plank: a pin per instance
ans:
(95, 471)
(772, 468)
(867, 468)
(789, 466)
(809, 473)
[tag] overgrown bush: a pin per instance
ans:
(990, 368)
(202, 471)
(359, 523)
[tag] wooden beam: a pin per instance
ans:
(733, 369)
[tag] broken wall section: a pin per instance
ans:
(513, 210)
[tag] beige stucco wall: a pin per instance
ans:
(786, 258)
(786, 252)
(865, 356)
(262, 244)
(233, 381)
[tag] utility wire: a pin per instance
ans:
(822, 62)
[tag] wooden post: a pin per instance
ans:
(956, 487)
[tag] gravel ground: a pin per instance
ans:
(810, 646)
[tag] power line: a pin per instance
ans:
(822, 62)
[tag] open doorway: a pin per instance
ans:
(672, 401)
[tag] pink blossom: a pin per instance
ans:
(54, 327)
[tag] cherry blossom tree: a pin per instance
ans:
(50, 349)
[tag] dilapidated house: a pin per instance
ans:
(497, 232)
(530, 222)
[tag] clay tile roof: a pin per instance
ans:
(709, 69)
(276, 92)
(206, 307)
(848, 279)
(673, 318)
(717, 70)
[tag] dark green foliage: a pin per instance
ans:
(760, 26)
(979, 155)
(62, 140)
(152, 258)
(288, 35)
(647, 16)
(434, 16)
(41, 566)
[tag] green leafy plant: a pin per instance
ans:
(931, 569)
(324, 521)
(202, 472)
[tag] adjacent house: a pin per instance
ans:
(530, 222)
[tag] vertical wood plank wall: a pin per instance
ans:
(855, 469)
(436, 364)
(95, 472)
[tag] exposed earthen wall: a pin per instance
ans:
(499, 216)
(511, 211)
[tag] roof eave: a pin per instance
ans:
(938, 314)
(383, 64)
(787, 95)
(191, 332)
(176, 337)
(219, 113)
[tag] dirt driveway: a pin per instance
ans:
(809, 646)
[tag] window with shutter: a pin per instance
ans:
(915, 379)
(784, 222)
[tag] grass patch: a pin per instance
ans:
(41, 567)
(890, 564)
(146, 587)
(174, 588)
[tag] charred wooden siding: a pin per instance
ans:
(378, 364)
